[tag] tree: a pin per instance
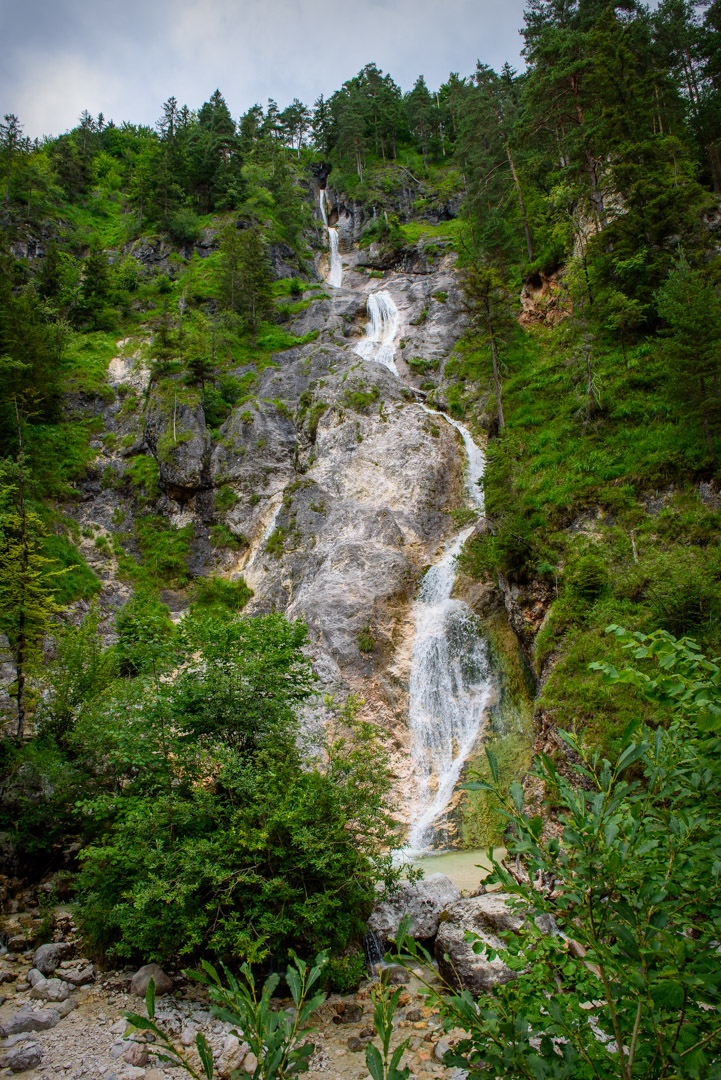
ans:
(244, 278)
(12, 143)
(253, 839)
(487, 305)
(27, 603)
(689, 307)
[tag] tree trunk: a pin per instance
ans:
(496, 378)
(21, 647)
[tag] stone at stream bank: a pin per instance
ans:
(26, 1055)
(141, 980)
(48, 957)
(425, 902)
(486, 917)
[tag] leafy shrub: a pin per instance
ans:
(217, 835)
(218, 596)
(588, 577)
(164, 549)
(344, 974)
(225, 498)
(365, 639)
(183, 227)
(143, 627)
(222, 537)
(78, 582)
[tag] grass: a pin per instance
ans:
(569, 497)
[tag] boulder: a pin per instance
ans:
(136, 1055)
(26, 1055)
(50, 990)
(141, 979)
(232, 1057)
(78, 976)
(47, 957)
(29, 1019)
(425, 902)
(34, 976)
(486, 917)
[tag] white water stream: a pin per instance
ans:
(335, 273)
(451, 683)
(379, 341)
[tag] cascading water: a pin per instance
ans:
(379, 341)
(335, 273)
(451, 681)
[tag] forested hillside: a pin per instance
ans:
(183, 410)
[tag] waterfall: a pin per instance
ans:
(335, 273)
(269, 529)
(451, 681)
(379, 341)
(335, 276)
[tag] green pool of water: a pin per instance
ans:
(466, 869)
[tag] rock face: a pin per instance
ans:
(486, 917)
(425, 902)
(141, 980)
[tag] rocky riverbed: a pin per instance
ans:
(58, 1028)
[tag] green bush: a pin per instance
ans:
(183, 227)
(219, 834)
(344, 974)
(222, 537)
(218, 596)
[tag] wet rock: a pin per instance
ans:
(27, 1055)
(50, 990)
(414, 1015)
(397, 975)
(355, 1044)
(29, 1019)
(425, 902)
(486, 917)
(141, 980)
(47, 957)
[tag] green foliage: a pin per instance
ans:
(265, 843)
(386, 1066)
(632, 881)
(164, 549)
(365, 639)
(273, 1036)
(225, 498)
(344, 974)
(222, 537)
(216, 596)
(360, 400)
(78, 582)
(144, 634)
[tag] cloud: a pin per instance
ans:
(125, 58)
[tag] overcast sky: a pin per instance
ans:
(125, 57)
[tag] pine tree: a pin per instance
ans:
(690, 308)
(245, 279)
(27, 603)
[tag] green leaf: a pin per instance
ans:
(493, 765)
(516, 792)
(150, 999)
(374, 1062)
(205, 1054)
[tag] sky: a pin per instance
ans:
(124, 58)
